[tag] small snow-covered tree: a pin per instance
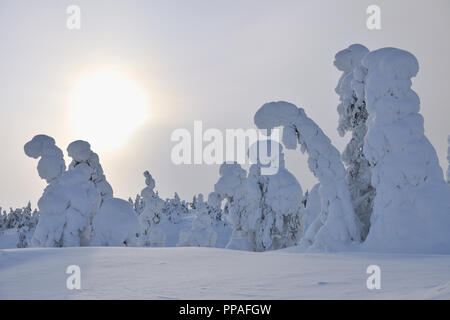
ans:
(151, 233)
(3, 219)
(411, 210)
(26, 226)
(214, 206)
(337, 226)
(115, 225)
(352, 118)
(201, 234)
(137, 203)
(277, 220)
(174, 209)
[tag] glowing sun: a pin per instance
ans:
(106, 107)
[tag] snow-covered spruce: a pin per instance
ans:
(352, 118)
(174, 209)
(214, 206)
(68, 202)
(26, 226)
(412, 205)
(115, 225)
(201, 234)
(80, 152)
(277, 220)
(337, 226)
(151, 232)
(232, 187)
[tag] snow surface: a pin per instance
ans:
(211, 273)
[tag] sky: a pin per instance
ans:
(214, 61)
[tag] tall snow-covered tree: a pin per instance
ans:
(151, 233)
(68, 202)
(337, 226)
(411, 210)
(278, 219)
(352, 118)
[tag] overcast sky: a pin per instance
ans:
(215, 61)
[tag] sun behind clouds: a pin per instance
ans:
(105, 107)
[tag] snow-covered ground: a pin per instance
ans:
(211, 273)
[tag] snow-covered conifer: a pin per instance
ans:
(277, 218)
(68, 202)
(411, 210)
(174, 209)
(352, 118)
(25, 226)
(151, 233)
(80, 152)
(201, 234)
(232, 187)
(214, 205)
(337, 225)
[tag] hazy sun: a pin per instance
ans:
(105, 107)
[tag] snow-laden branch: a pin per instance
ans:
(336, 226)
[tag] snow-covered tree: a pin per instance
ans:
(137, 204)
(352, 118)
(151, 233)
(411, 210)
(201, 234)
(174, 209)
(277, 220)
(26, 226)
(214, 206)
(232, 187)
(337, 226)
(115, 225)
(81, 153)
(68, 202)
(3, 219)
